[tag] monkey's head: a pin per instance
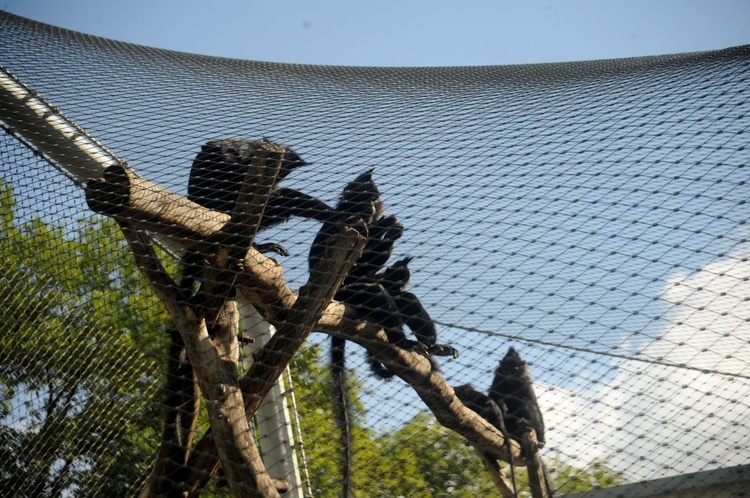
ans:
(361, 197)
(291, 161)
(396, 276)
(512, 365)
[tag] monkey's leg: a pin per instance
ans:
(415, 316)
(271, 247)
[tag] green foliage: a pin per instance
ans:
(423, 458)
(323, 452)
(78, 369)
(571, 479)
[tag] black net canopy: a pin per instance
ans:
(592, 216)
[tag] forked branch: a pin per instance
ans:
(144, 205)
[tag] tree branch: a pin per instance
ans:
(294, 325)
(215, 364)
(145, 205)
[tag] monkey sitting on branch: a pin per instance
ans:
(511, 406)
(377, 296)
(381, 296)
(214, 182)
(512, 387)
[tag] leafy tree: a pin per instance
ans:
(423, 458)
(323, 452)
(79, 344)
(576, 479)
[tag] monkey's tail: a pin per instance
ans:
(342, 411)
(183, 403)
(378, 369)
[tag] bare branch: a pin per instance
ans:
(127, 197)
(538, 478)
(498, 479)
(153, 271)
(215, 364)
(295, 324)
(432, 388)
(261, 281)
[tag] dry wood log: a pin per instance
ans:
(144, 205)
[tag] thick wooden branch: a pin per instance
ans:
(127, 197)
(432, 388)
(215, 361)
(216, 369)
(294, 325)
(538, 479)
(505, 487)
(261, 281)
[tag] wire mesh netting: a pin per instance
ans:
(590, 215)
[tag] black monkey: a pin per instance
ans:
(360, 200)
(372, 302)
(217, 173)
(402, 307)
(379, 296)
(411, 311)
(215, 180)
(511, 405)
(183, 404)
(512, 387)
(375, 295)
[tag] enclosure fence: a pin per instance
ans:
(590, 215)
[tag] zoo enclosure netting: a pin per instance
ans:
(592, 215)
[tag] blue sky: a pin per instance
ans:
(407, 33)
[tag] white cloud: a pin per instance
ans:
(654, 420)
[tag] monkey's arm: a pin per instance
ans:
(415, 317)
(286, 202)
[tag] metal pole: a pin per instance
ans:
(50, 131)
(273, 418)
